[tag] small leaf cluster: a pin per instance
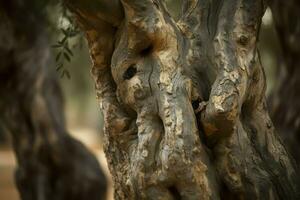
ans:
(64, 50)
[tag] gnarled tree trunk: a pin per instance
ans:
(184, 102)
(285, 101)
(51, 164)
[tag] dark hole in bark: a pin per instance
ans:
(161, 123)
(195, 104)
(130, 72)
(225, 193)
(243, 40)
(147, 50)
(201, 131)
(202, 135)
(175, 193)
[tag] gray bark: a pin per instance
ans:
(51, 165)
(184, 102)
(285, 100)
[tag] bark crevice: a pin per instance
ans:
(207, 60)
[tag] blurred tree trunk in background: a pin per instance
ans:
(285, 100)
(184, 101)
(51, 164)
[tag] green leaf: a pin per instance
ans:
(63, 40)
(59, 67)
(65, 32)
(58, 56)
(56, 45)
(67, 74)
(67, 57)
(68, 50)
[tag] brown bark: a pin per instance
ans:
(183, 102)
(51, 164)
(285, 100)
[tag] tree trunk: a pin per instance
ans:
(285, 101)
(51, 164)
(184, 102)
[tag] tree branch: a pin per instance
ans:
(238, 27)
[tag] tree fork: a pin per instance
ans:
(156, 79)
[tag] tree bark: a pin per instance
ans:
(184, 102)
(285, 100)
(51, 164)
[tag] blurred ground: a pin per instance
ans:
(7, 163)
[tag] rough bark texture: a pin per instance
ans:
(183, 102)
(285, 101)
(51, 164)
